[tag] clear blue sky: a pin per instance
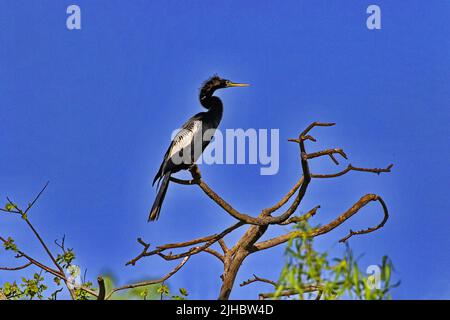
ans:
(92, 111)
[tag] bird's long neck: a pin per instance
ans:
(213, 104)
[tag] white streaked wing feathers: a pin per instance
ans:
(184, 137)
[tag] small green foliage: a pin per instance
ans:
(163, 290)
(182, 296)
(183, 292)
(144, 294)
(11, 290)
(140, 293)
(81, 294)
(9, 244)
(331, 278)
(65, 259)
(57, 280)
(33, 287)
(9, 207)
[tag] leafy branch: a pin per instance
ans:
(62, 269)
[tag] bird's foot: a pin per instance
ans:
(195, 171)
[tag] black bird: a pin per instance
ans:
(188, 144)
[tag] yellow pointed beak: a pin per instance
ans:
(232, 84)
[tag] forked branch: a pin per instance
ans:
(331, 225)
(233, 257)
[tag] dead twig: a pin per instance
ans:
(149, 282)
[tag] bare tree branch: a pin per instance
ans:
(330, 153)
(16, 268)
(372, 229)
(9, 211)
(207, 242)
(304, 217)
(330, 226)
(36, 198)
(283, 200)
(291, 292)
(223, 245)
(258, 279)
(285, 292)
(150, 282)
(352, 168)
(101, 288)
(214, 253)
(248, 243)
(21, 254)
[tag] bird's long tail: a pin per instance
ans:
(154, 213)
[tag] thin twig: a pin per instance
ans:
(289, 292)
(352, 168)
(36, 198)
(150, 282)
(258, 279)
(16, 268)
(301, 218)
(330, 226)
(371, 229)
(21, 254)
(207, 242)
(328, 152)
(285, 199)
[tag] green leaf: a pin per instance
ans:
(57, 280)
(10, 245)
(163, 290)
(66, 258)
(9, 207)
(184, 292)
(339, 277)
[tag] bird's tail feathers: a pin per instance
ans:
(157, 178)
(156, 208)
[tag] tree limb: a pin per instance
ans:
(331, 225)
(258, 279)
(207, 242)
(291, 292)
(352, 168)
(233, 258)
(16, 268)
(149, 282)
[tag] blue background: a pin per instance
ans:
(92, 111)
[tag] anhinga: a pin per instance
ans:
(186, 140)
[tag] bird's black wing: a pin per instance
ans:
(181, 140)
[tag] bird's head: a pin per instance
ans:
(215, 82)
